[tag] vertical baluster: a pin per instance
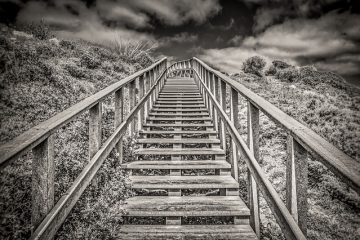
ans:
(146, 89)
(234, 111)
(296, 182)
(253, 143)
(223, 105)
(132, 100)
(119, 115)
(42, 192)
(141, 94)
(95, 129)
(213, 91)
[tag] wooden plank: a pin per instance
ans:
(181, 125)
(95, 118)
(338, 162)
(234, 112)
(186, 206)
(297, 182)
(179, 110)
(183, 182)
(183, 232)
(62, 208)
(132, 101)
(179, 119)
(182, 140)
(186, 106)
(183, 151)
(119, 116)
(32, 137)
(289, 227)
(178, 114)
(182, 164)
(253, 122)
(42, 190)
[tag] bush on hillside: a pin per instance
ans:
(40, 30)
(254, 65)
(288, 74)
(276, 65)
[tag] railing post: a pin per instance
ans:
(253, 143)
(141, 94)
(147, 103)
(132, 100)
(119, 116)
(234, 111)
(213, 90)
(223, 105)
(95, 129)
(42, 193)
(296, 182)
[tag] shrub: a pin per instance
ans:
(280, 64)
(271, 71)
(39, 30)
(89, 61)
(136, 50)
(289, 74)
(67, 44)
(254, 65)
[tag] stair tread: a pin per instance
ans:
(183, 182)
(175, 164)
(179, 106)
(179, 110)
(186, 232)
(178, 132)
(179, 114)
(178, 125)
(167, 206)
(183, 151)
(182, 140)
(179, 119)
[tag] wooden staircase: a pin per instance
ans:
(179, 140)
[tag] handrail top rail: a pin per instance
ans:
(35, 135)
(341, 164)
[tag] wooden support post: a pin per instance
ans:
(119, 116)
(253, 143)
(95, 129)
(43, 170)
(234, 111)
(132, 97)
(141, 95)
(223, 105)
(296, 182)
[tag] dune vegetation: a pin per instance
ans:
(325, 103)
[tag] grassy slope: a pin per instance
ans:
(39, 78)
(334, 114)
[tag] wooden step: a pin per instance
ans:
(179, 110)
(172, 99)
(179, 119)
(180, 97)
(186, 232)
(178, 164)
(179, 114)
(201, 105)
(184, 182)
(182, 151)
(179, 206)
(182, 125)
(179, 141)
(212, 132)
(180, 102)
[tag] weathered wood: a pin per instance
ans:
(296, 182)
(287, 223)
(181, 164)
(253, 143)
(182, 151)
(171, 232)
(183, 182)
(95, 117)
(234, 111)
(181, 140)
(119, 116)
(43, 171)
(342, 165)
(222, 103)
(141, 94)
(58, 214)
(132, 101)
(29, 139)
(186, 206)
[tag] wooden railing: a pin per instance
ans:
(291, 216)
(47, 217)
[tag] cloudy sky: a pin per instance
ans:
(325, 33)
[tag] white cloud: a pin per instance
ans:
(178, 38)
(321, 41)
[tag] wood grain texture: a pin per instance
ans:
(182, 164)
